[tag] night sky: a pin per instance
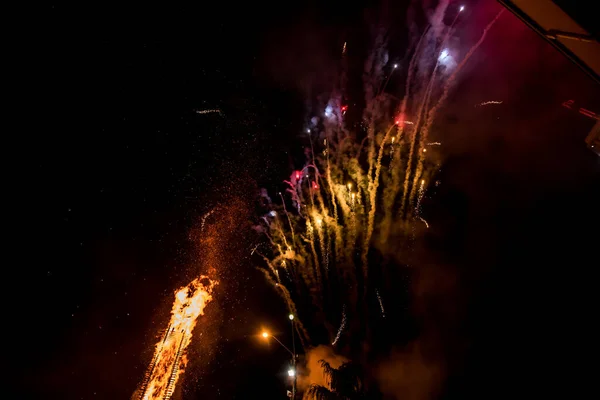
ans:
(120, 169)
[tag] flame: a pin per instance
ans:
(169, 358)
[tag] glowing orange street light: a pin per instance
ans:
(292, 370)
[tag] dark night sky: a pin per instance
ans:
(120, 168)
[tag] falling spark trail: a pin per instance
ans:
(425, 222)
(485, 103)
(373, 204)
(390, 196)
(434, 144)
(442, 99)
(420, 198)
(212, 111)
(460, 66)
(423, 109)
(380, 303)
(208, 214)
(342, 327)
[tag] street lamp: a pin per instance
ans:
(293, 358)
(291, 371)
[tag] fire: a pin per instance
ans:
(169, 358)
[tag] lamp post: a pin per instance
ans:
(292, 371)
(291, 316)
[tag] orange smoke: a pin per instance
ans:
(312, 373)
(169, 358)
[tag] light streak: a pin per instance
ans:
(211, 111)
(485, 103)
(208, 214)
(341, 328)
(380, 303)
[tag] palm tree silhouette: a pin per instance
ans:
(345, 383)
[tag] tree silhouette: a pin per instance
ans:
(344, 383)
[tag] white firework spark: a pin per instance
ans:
(204, 219)
(342, 327)
(211, 111)
(380, 303)
(485, 103)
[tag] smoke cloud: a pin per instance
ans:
(410, 375)
(419, 369)
(312, 373)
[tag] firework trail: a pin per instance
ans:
(485, 103)
(169, 359)
(380, 303)
(421, 131)
(212, 111)
(350, 194)
(342, 327)
(446, 90)
(208, 214)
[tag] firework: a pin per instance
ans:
(487, 103)
(350, 196)
(341, 328)
(211, 111)
(380, 303)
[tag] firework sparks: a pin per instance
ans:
(169, 358)
(341, 328)
(432, 112)
(380, 303)
(211, 111)
(485, 103)
(350, 195)
(208, 214)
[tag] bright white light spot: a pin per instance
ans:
(461, 8)
(395, 66)
(291, 317)
(273, 213)
(444, 54)
(328, 111)
(291, 372)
